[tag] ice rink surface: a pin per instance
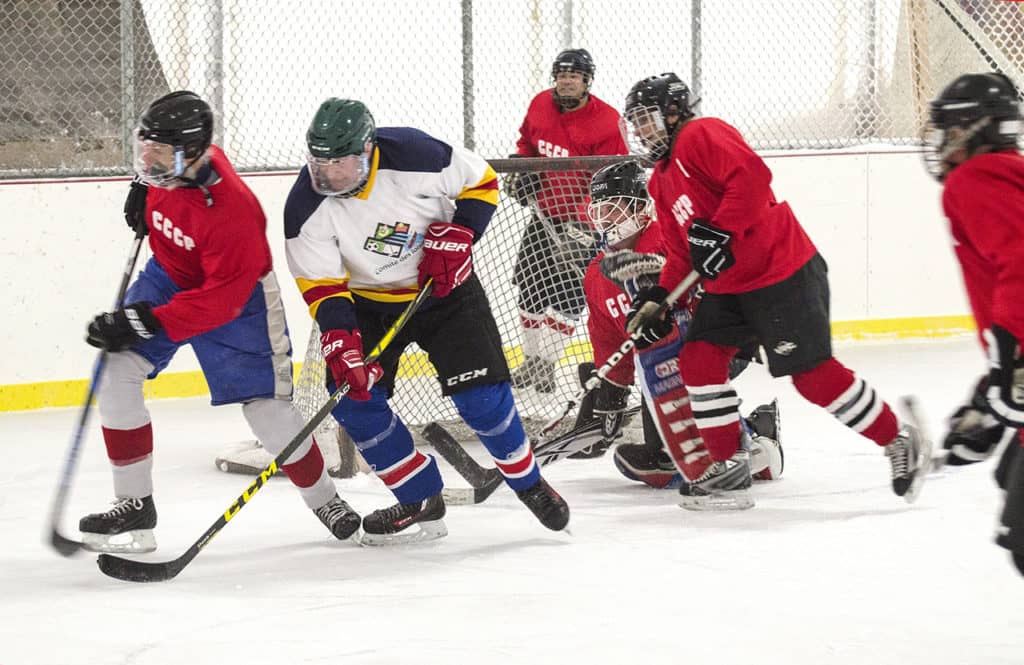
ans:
(829, 568)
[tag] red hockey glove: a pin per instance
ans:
(447, 257)
(343, 353)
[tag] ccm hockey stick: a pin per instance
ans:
(64, 545)
(484, 481)
(143, 571)
(620, 353)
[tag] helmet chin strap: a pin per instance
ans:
(568, 103)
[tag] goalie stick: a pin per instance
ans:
(620, 353)
(484, 481)
(144, 571)
(64, 545)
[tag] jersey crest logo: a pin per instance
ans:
(393, 240)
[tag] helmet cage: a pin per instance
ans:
(619, 218)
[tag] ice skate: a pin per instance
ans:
(544, 502)
(910, 457)
(406, 523)
(339, 518)
(723, 486)
(535, 372)
(767, 459)
(647, 465)
(125, 528)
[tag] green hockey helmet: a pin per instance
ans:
(340, 141)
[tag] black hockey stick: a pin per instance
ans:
(484, 481)
(144, 571)
(64, 545)
(623, 350)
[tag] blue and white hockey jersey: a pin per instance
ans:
(367, 247)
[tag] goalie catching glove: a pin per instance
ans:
(447, 257)
(1005, 392)
(123, 328)
(641, 319)
(343, 355)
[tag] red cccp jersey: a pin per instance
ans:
(215, 254)
(984, 201)
(712, 174)
(548, 132)
(608, 305)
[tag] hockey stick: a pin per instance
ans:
(64, 545)
(485, 480)
(144, 571)
(620, 353)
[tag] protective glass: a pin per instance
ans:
(340, 175)
(157, 164)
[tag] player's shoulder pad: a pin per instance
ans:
(410, 149)
(302, 202)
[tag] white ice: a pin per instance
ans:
(829, 568)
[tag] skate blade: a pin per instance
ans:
(923, 465)
(424, 531)
(129, 542)
(733, 500)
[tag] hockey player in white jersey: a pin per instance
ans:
(373, 216)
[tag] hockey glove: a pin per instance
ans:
(632, 271)
(135, 207)
(523, 187)
(447, 257)
(123, 328)
(973, 433)
(1005, 392)
(610, 407)
(343, 354)
(641, 318)
(709, 251)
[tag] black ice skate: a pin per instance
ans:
(910, 457)
(125, 528)
(767, 459)
(647, 465)
(723, 486)
(544, 502)
(339, 518)
(535, 372)
(389, 526)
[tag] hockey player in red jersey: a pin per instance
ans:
(633, 256)
(973, 150)
(210, 284)
(765, 282)
(563, 121)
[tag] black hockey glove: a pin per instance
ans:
(973, 433)
(641, 317)
(522, 187)
(135, 207)
(1005, 392)
(123, 328)
(709, 249)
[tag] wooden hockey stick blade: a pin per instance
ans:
(453, 453)
(467, 496)
(144, 571)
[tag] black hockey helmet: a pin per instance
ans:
(655, 108)
(181, 120)
(619, 203)
(974, 111)
(572, 60)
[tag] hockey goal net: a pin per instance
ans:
(531, 262)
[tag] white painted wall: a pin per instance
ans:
(874, 216)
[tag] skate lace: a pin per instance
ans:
(397, 512)
(898, 456)
(331, 510)
(123, 506)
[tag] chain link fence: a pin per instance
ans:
(789, 74)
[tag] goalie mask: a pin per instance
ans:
(172, 135)
(619, 205)
(569, 92)
(655, 109)
(975, 111)
(340, 141)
